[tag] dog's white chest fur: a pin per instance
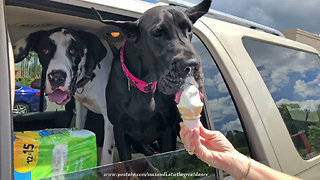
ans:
(92, 95)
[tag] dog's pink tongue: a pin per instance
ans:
(58, 96)
(178, 96)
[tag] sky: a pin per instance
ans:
(278, 14)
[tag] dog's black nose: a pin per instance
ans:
(57, 78)
(190, 66)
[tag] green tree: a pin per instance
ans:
(310, 129)
(34, 67)
(314, 140)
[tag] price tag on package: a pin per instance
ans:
(26, 151)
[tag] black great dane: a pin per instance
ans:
(147, 73)
(75, 63)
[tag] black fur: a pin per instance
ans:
(158, 49)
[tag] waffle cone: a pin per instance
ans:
(190, 114)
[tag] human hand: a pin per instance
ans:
(215, 149)
(211, 147)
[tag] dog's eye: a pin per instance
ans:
(189, 29)
(158, 32)
(72, 52)
(45, 51)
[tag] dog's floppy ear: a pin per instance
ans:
(95, 53)
(22, 47)
(195, 12)
(130, 28)
(96, 49)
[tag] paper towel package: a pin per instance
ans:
(46, 153)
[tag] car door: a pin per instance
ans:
(283, 133)
(6, 163)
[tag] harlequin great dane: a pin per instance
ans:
(75, 63)
(147, 73)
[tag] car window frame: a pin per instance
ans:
(247, 40)
(6, 129)
(225, 41)
(272, 117)
(82, 9)
(208, 113)
(204, 30)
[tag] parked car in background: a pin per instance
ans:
(36, 84)
(26, 99)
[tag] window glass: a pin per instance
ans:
(26, 106)
(173, 165)
(293, 79)
(220, 103)
(17, 87)
(28, 73)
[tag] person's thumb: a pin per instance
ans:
(205, 133)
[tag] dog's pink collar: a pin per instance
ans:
(141, 85)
